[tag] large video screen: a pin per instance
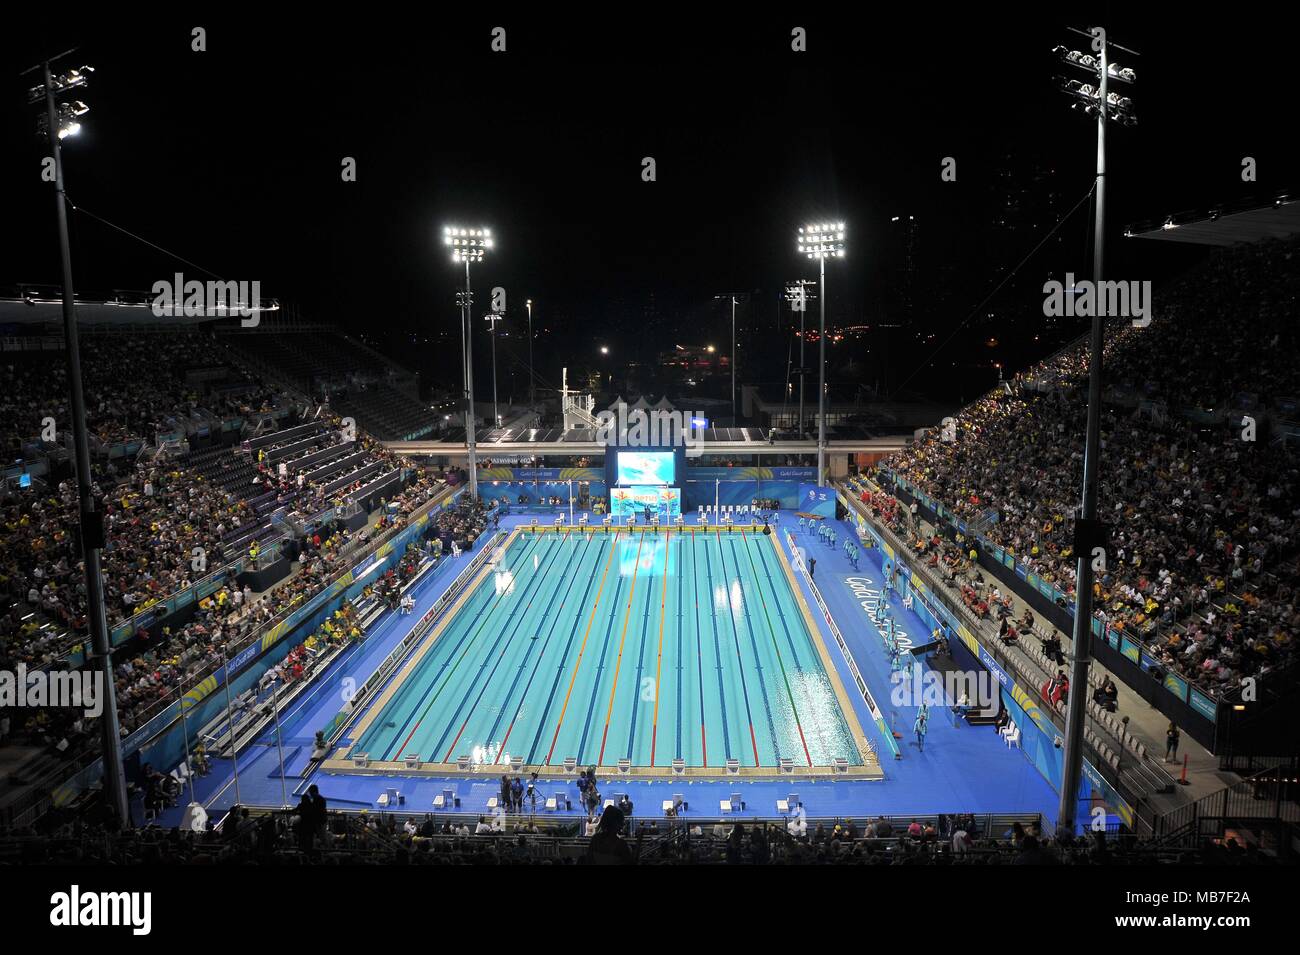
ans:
(646, 467)
(645, 502)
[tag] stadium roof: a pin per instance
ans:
(1237, 224)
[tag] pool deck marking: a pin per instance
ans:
(540, 580)
(613, 546)
(550, 632)
(659, 661)
(785, 677)
(868, 756)
(618, 662)
(395, 682)
(451, 673)
(740, 662)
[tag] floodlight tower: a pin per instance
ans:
(532, 400)
(492, 318)
(821, 242)
(798, 293)
(468, 245)
(733, 298)
(1094, 99)
(60, 120)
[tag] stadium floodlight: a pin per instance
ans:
(78, 76)
(59, 121)
(1096, 99)
(468, 245)
(67, 115)
(822, 241)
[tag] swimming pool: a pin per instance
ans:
(629, 645)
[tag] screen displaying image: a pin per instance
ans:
(646, 502)
(645, 467)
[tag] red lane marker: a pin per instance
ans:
(754, 740)
(705, 743)
(402, 748)
(807, 755)
(447, 758)
(505, 740)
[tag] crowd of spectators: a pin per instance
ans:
(314, 835)
(133, 383)
(1204, 525)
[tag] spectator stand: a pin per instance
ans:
(1132, 777)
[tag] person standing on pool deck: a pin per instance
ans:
(919, 728)
(812, 567)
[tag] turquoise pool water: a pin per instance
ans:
(633, 645)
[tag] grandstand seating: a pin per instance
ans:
(359, 383)
(1108, 739)
(1213, 592)
(159, 505)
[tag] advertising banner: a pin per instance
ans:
(817, 500)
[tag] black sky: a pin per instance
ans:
(231, 158)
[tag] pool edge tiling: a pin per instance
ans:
(641, 657)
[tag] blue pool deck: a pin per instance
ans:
(963, 768)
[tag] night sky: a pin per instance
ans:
(231, 159)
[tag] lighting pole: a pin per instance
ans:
(492, 318)
(532, 401)
(733, 297)
(1100, 102)
(468, 245)
(821, 242)
(733, 361)
(59, 121)
(797, 294)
